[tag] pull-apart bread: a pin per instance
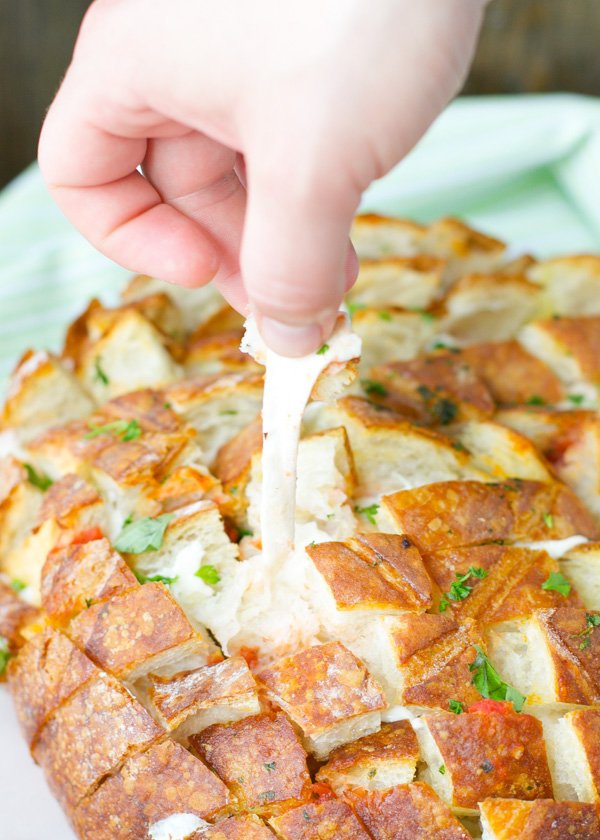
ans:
(425, 663)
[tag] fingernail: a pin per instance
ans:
(290, 340)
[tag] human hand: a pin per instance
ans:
(257, 127)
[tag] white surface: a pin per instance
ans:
(27, 809)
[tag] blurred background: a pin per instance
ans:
(527, 46)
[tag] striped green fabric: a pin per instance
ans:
(521, 168)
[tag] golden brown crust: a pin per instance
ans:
(75, 577)
(586, 723)
(395, 742)
(227, 683)
(511, 374)
(511, 588)
(328, 819)
(574, 647)
(148, 407)
(12, 473)
(321, 686)
(234, 458)
(511, 819)
(47, 671)
(128, 630)
(578, 338)
(439, 388)
(374, 572)
(260, 759)
(492, 754)
(150, 787)
(65, 500)
(406, 812)
(186, 486)
(89, 736)
(15, 614)
(250, 827)
(452, 514)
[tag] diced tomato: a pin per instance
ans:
(250, 654)
(322, 790)
(86, 536)
(500, 707)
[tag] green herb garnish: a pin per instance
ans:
(17, 585)
(37, 479)
(142, 578)
(370, 512)
(370, 387)
(125, 429)
(442, 769)
(591, 621)
(456, 707)
(557, 582)
(490, 684)
(5, 655)
(459, 589)
(322, 349)
(576, 399)
(208, 574)
(99, 373)
(549, 520)
(145, 534)
(384, 315)
(535, 399)
(355, 307)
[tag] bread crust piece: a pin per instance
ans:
(406, 812)
(150, 786)
(226, 691)
(571, 346)
(382, 572)
(372, 761)
(15, 614)
(511, 374)
(511, 588)
(452, 514)
(491, 754)
(67, 500)
(512, 819)
(250, 827)
(79, 575)
(328, 819)
(127, 634)
(320, 688)
(575, 651)
(90, 736)
(47, 671)
(260, 759)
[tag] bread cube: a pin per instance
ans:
(260, 759)
(370, 573)
(20, 503)
(507, 819)
(149, 787)
(43, 392)
(377, 236)
(79, 575)
(73, 504)
(47, 671)
(581, 566)
(490, 307)
(571, 284)
(89, 736)
(328, 694)
(376, 762)
(217, 355)
(489, 753)
(326, 818)
(422, 660)
(552, 657)
(391, 333)
(572, 746)
(406, 812)
(196, 305)
(466, 250)
(404, 282)
(190, 701)
(511, 374)
(218, 407)
(131, 634)
(437, 389)
(452, 514)
(570, 346)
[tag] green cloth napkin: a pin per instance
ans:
(522, 168)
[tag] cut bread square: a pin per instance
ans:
(377, 236)
(403, 282)
(325, 818)
(391, 333)
(507, 819)
(571, 284)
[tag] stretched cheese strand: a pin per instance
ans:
(288, 387)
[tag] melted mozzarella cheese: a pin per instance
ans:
(555, 548)
(176, 827)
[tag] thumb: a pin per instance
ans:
(296, 258)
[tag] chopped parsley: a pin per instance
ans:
(245, 532)
(90, 601)
(208, 574)
(557, 582)
(576, 399)
(460, 447)
(487, 766)
(535, 399)
(372, 773)
(591, 621)
(442, 769)
(38, 479)
(322, 349)
(444, 411)
(125, 429)
(456, 707)
(459, 590)
(17, 585)
(99, 372)
(355, 307)
(5, 654)
(548, 520)
(490, 684)
(267, 795)
(145, 534)
(384, 315)
(428, 317)
(142, 578)
(370, 387)
(167, 405)
(269, 766)
(370, 512)
(228, 412)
